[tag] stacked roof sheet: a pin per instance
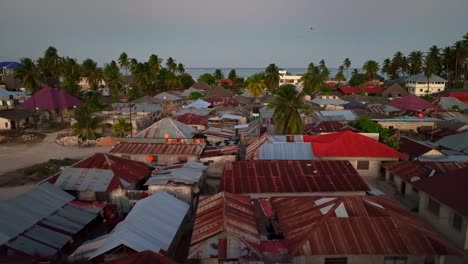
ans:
(167, 127)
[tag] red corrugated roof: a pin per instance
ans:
(192, 119)
(290, 176)
(158, 148)
(326, 127)
(409, 169)
(226, 101)
(462, 96)
(412, 148)
(143, 257)
(448, 188)
(129, 170)
(364, 225)
(411, 103)
(357, 89)
(227, 214)
(349, 144)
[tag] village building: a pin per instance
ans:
(394, 91)
(188, 92)
(326, 127)
(196, 121)
(454, 144)
(169, 130)
(217, 154)
(369, 89)
(272, 178)
(43, 221)
(329, 103)
(216, 134)
(159, 153)
(218, 91)
(420, 85)
(172, 103)
(153, 224)
(199, 104)
(415, 149)
(21, 118)
(408, 123)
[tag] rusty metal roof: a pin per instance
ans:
(359, 225)
(158, 148)
(192, 119)
(407, 170)
(290, 176)
(223, 213)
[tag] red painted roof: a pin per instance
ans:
(448, 188)
(347, 225)
(157, 148)
(326, 127)
(356, 89)
(143, 257)
(50, 98)
(192, 119)
(412, 148)
(462, 96)
(226, 101)
(411, 103)
(223, 213)
(129, 170)
(290, 176)
(409, 169)
(349, 144)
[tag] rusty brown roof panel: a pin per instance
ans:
(158, 148)
(290, 176)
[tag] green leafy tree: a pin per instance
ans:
(447, 58)
(121, 128)
(112, 78)
(357, 79)
(313, 80)
(288, 106)
(171, 65)
(397, 64)
(429, 69)
(86, 123)
(207, 78)
(340, 74)
(365, 124)
(195, 95)
(347, 64)
(92, 72)
(29, 75)
(256, 85)
(232, 75)
(180, 68)
(434, 56)
(186, 80)
(51, 66)
(415, 61)
(124, 63)
(272, 77)
(134, 93)
(218, 75)
(371, 68)
(324, 72)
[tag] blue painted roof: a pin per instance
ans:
(9, 64)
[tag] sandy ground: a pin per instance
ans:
(19, 156)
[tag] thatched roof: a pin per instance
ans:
(203, 86)
(395, 91)
(220, 91)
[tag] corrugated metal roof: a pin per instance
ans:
(326, 127)
(290, 176)
(337, 115)
(171, 127)
(49, 237)
(219, 132)
(158, 148)
(195, 111)
(324, 101)
(228, 214)
(411, 103)
(199, 104)
(192, 119)
(167, 97)
(189, 91)
(144, 257)
(24, 211)
(31, 247)
(364, 225)
(422, 78)
(415, 168)
(151, 225)
(286, 151)
(189, 173)
(77, 179)
(458, 142)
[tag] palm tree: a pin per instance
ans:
(272, 77)
(313, 81)
(324, 70)
(371, 68)
(397, 64)
(386, 67)
(256, 85)
(86, 123)
(112, 78)
(124, 62)
(288, 106)
(218, 74)
(347, 64)
(340, 74)
(434, 55)
(92, 72)
(121, 128)
(171, 65)
(429, 69)
(51, 66)
(29, 75)
(180, 68)
(459, 53)
(143, 77)
(446, 60)
(71, 75)
(172, 82)
(415, 61)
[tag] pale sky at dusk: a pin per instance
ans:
(222, 33)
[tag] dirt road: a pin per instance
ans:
(19, 156)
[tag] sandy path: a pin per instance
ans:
(20, 156)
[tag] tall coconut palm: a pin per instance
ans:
(232, 75)
(429, 69)
(313, 81)
(124, 63)
(347, 64)
(143, 77)
(434, 55)
(371, 68)
(397, 64)
(447, 58)
(256, 85)
(92, 72)
(86, 123)
(51, 66)
(386, 67)
(325, 73)
(171, 65)
(172, 82)
(415, 61)
(71, 75)
(288, 106)
(218, 74)
(180, 68)
(272, 77)
(29, 75)
(459, 53)
(340, 74)
(112, 77)
(121, 128)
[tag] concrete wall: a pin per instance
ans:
(406, 125)
(421, 88)
(216, 167)
(443, 222)
(361, 259)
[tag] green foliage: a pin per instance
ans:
(272, 77)
(121, 128)
(218, 75)
(29, 75)
(357, 79)
(86, 123)
(427, 97)
(371, 68)
(313, 80)
(365, 124)
(186, 80)
(256, 85)
(207, 78)
(458, 85)
(195, 95)
(134, 93)
(288, 106)
(455, 108)
(112, 78)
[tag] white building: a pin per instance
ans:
(417, 84)
(285, 78)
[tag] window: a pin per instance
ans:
(433, 207)
(336, 261)
(457, 221)
(395, 260)
(363, 165)
(420, 90)
(6, 124)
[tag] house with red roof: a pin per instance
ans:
(443, 203)
(462, 96)
(367, 90)
(193, 120)
(365, 154)
(100, 176)
(415, 149)
(411, 103)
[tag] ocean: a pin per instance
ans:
(246, 72)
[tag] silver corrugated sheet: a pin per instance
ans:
(31, 247)
(286, 151)
(78, 179)
(76, 215)
(47, 236)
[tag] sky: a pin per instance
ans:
(227, 33)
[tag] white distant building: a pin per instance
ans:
(289, 79)
(417, 84)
